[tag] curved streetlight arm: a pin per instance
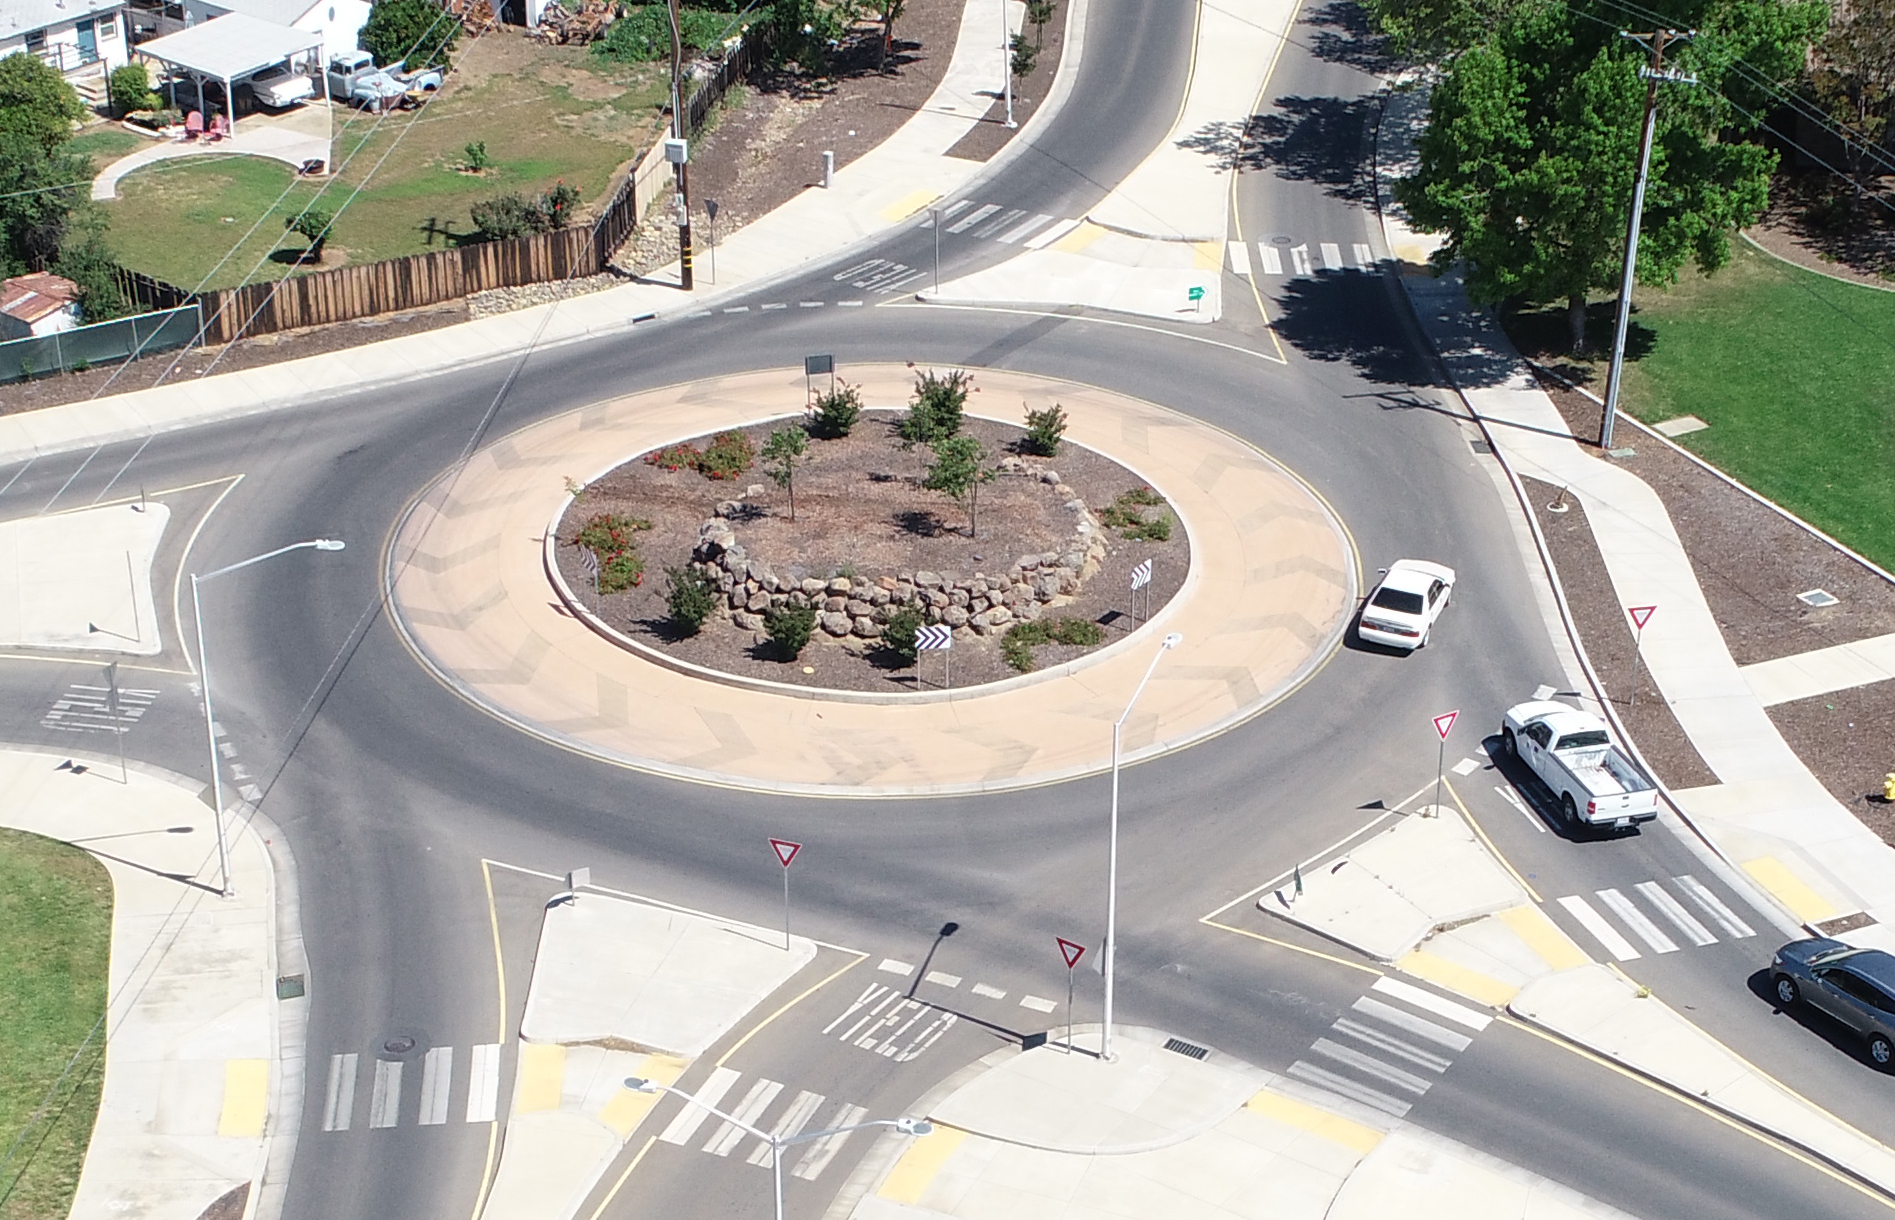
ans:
(638, 1085)
(321, 544)
(907, 1126)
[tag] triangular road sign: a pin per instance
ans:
(785, 850)
(1641, 615)
(1071, 952)
(1444, 723)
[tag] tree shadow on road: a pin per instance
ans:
(1344, 318)
(1304, 139)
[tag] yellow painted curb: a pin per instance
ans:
(910, 1178)
(1305, 1117)
(542, 1078)
(1543, 936)
(1791, 890)
(1458, 978)
(246, 1097)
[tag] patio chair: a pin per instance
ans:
(220, 127)
(193, 125)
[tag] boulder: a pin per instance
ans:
(856, 607)
(997, 616)
(835, 624)
(747, 621)
(835, 605)
(866, 627)
(958, 597)
(1050, 478)
(928, 580)
(841, 585)
(879, 596)
(954, 616)
(758, 603)
(814, 588)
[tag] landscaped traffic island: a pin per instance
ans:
(814, 549)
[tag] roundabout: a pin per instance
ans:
(1272, 581)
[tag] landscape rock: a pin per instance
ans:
(747, 621)
(842, 585)
(856, 607)
(835, 605)
(835, 624)
(928, 580)
(814, 588)
(954, 616)
(866, 627)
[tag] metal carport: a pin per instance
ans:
(228, 49)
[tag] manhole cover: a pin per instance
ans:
(399, 1046)
(1281, 241)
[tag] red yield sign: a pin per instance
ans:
(1641, 615)
(785, 850)
(1444, 723)
(1071, 952)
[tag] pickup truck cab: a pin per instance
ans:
(353, 77)
(1571, 751)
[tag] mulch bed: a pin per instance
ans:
(860, 512)
(1751, 563)
(1815, 222)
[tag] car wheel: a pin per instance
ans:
(1569, 810)
(1507, 742)
(1881, 1050)
(1787, 994)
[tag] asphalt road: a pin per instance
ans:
(394, 792)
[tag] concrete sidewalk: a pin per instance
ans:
(1048, 1135)
(1768, 814)
(82, 580)
(299, 136)
(884, 187)
(203, 1063)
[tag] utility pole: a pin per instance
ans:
(677, 133)
(1654, 73)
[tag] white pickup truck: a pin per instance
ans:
(1571, 751)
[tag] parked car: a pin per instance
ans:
(353, 77)
(279, 87)
(1572, 752)
(1855, 986)
(1402, 608)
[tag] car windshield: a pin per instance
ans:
(1834, 955)
(1579, 741)
(1398, 599)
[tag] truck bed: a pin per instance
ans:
(1605, 773)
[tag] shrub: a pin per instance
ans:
(674, 457)
(514, 215)
(1043, 430)
(1018, 643)
(609, 536)
(836, 412)
(643, 34)
(314, 224)
(958, 470)
(621, 570)
(803, 32)
(1124, 516)
(781, 453)
(474, 157)
(899, 632)
(129, 89)
(789, 628)
(935, 412)
(728, 455)
(692, 597)
(419, 33)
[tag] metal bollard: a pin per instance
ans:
(828, 170)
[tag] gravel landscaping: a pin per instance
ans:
(867, 540)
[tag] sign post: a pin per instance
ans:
(785, 852)
(814, 366)
(1443, 725)
(710, 211)
(1141, 579)
(1640, 616)
(936, 638)
(1072, 953)
(1196, 296)
(118, 719)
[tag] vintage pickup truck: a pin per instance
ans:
(353, 77)
(1592, 780)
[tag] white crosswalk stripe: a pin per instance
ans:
(945, 211)
(1003, 221)
(1332, 256)
(483, 1083)
(973, 218)
(1299, 259)
(824, 1150)
(1364, 257)
(788, 1126)
(1272, 260)
(1239, 257)
(384, 1104)
(1710, 904)
(1617, 946)
(339, 1104)
(690, 1118)
(1021, 232)
(1383, 1055)
(1671, 909)
(1638, 921)
(437, 1087)
(1046, 237)
(754, 1103)
(437, 1079)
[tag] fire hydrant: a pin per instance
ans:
(1888, 787)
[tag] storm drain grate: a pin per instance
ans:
(1186, 1049)
(1479, 445)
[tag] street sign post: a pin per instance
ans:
(814, 366)
(1072, 953)
(710, 211)
(1640, 616)
(1196, 296)
(118, 719)
(785, 852)
(1443, 725)
(936, 638)
(1141, 579)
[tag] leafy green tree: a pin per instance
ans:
(805, 32)
(1038, 13)
(41, 189)
(1532, 145)
(129, 89)
(781, 455)
(835, 412)
(85, 260)
(958, 471)
(36, 101)
(891, 9)
(315, 224)
(936, 409)
(415, 32)
(1025, 56)
(1853, 76)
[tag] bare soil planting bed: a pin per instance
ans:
(1751, 564)
(862, 516)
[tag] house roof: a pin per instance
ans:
(19, 17)
(33, 297)
(282, 12)
(230, 47)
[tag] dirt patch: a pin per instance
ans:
(862, 515)
(1751, 563)
(1817, 222)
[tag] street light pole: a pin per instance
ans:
(907, 1126)
(204, 680)
(1006, 60)
(1112, 851)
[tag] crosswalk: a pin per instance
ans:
(1284, 256)
(387, 1078)
(1390, 1047)
(996, 222)
(753, 1109)
(888, 1022)
(92, 709)
(1660, 922)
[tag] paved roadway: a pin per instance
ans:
(393, 791)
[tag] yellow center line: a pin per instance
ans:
(613, 1193)
(500, 983)
(1284, 944)
(759, 1026)
(1504, 862)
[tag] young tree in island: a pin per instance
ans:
(1533, 135)
(313, 224)
(781, 454)
(958, 470)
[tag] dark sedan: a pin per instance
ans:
(1855, 986)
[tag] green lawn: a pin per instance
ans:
(55, 941)
(105, 143)
(1795, 373)
(545, 113)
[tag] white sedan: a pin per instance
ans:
(1402, 608)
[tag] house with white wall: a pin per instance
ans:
(37, 304)
(338, 22)
(83, 39)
